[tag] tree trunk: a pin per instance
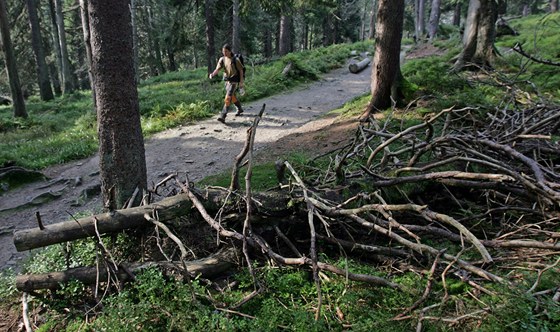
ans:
(434, 19)
(285, 34)
(479, 35)
(267, 44)
(210, 43)
(134, 24)
(526, 9)
(235, 28)
(44, 81)
(58, 54)
(121, 145)
(386, 64)
(11, 63)
(67, 76)
(457, 14)
(372, 19)
(420, 19)
(87, 43)
(553, 6)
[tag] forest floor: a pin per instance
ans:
(293, 121)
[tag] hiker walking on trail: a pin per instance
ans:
(233, 75)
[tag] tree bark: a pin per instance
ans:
(285, 34)
(45, 89)
(434, 19)
(479, 35)
(67, 77)
(121, 144)
(386, 71)
(11, 64)
(134, 23)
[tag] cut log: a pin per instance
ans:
(169, 208)
(208, 267)
(358, 67)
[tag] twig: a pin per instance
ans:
(427, 290)
(25, 313)
(313, 239)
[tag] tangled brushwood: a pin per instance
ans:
(469, 192)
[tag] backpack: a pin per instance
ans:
(240, 57)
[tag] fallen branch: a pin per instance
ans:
(207, 267)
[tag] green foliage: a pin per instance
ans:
(538, 36)
(78, 253)
(263, 178)
(7, 283)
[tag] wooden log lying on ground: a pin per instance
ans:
(358, 67)
(207, 268)
(109, 222)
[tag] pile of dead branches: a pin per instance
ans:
(486, 181)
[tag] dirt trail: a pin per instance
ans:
(202, 149)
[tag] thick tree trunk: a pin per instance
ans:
(386, 63)
(208, 267)
(210, 44)
(67, 77)
(44, 81)
(285, 34)
(479, 35)
(11, 63)
(121, 145)
(434, 19)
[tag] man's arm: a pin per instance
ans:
(240, 69)
(218, 67)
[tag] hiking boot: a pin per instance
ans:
(239, 109)
(222, 120)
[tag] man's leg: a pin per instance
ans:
(227, 102)
(239, 108)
